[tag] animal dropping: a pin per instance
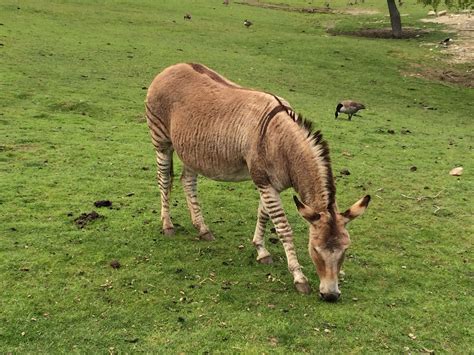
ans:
(227, 132)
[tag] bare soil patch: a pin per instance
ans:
(358, 11)
(385, 33)
(286, 7)
(462, 48)
(452, 76)
(308, 10)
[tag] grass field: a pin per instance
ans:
(73, 80)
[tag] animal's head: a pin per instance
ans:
(338, 107)
(328, 242)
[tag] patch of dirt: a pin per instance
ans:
(286, 7)
(451, 76)
(86, 218)
(357, 11)
(462, 48)
(309, 10)
(386, 33)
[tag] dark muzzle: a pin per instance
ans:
(330, 297)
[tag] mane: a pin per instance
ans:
(320, 149)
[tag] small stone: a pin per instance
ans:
(456, 171)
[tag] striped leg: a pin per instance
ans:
(263, 256)
(273, 206)
(189, 181)
(164, 161)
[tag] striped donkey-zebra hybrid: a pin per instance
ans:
(230, 133)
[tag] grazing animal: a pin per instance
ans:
(247, 23)
(348, 107)
(187, 17)
(229, 133)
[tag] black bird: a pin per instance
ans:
(187, 17)
(447, 42)
(247, 23)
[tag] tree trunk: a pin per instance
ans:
(395, 19)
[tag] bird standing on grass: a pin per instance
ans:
(187, 17)
(348, 107)
(247, 23)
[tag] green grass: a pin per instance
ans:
(73, 77)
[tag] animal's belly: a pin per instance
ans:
(235, 176)
(218, 164)
(212, 146)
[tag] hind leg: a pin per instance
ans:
(164, 161)
(189, 181)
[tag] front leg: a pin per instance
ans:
(263, 256)
(189, 181)
(271, 201)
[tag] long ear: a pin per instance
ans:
(357, 209)
(305, 211)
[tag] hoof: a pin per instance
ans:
(266, 260)
(207, 236)
(304, 288)
(168, 231)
